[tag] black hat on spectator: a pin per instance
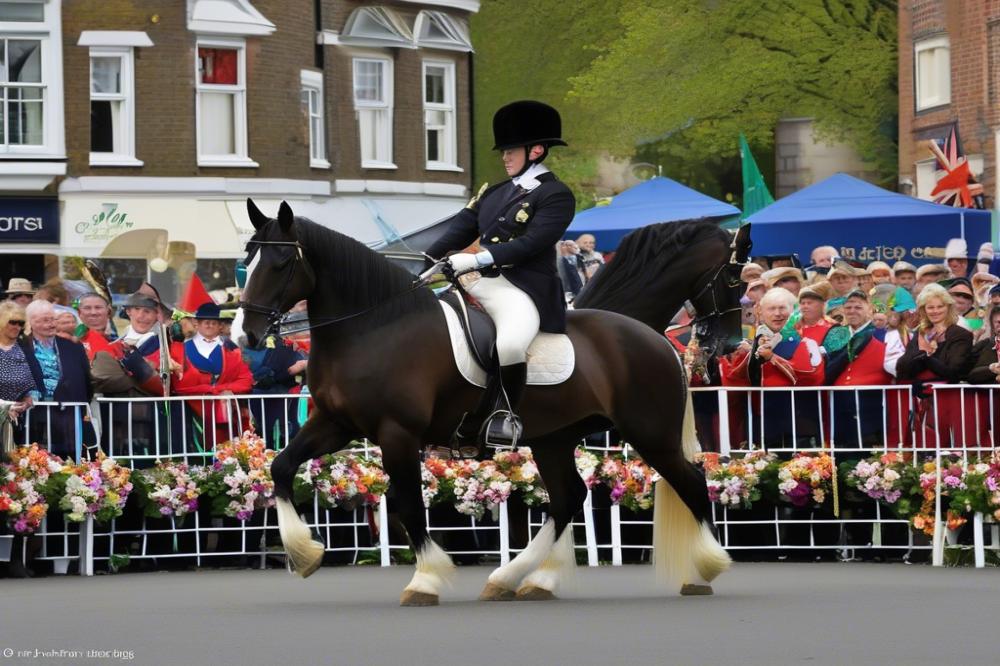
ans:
(208, 311)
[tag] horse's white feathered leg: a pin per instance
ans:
(510, 575)
(304, 553)
(434, 569)
(560, 562)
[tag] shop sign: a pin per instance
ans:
(29, 221)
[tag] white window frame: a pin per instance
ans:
(241, 156)
(126, 155)
(386, 106)
(49, 33)
(312, 84)
(921, 98)
(450, 131)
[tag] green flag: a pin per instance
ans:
(755, 194)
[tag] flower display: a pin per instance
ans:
(342, 480)
(24, 484)
(588, 466)
(97, 488)
(805, 479)
(167, 489)
(239, 481)
(735, 482)
(879, 477)
(633, 488)
(520, 468)
(478, 487)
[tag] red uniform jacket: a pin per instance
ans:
(867, 368)
(94, 342)
(804, 368)
(234, 377)
(119, 371)
(817, 332)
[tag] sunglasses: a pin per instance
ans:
(16, 322)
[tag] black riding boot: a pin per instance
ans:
(503, 429)
(467, 434)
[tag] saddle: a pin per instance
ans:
(551, 358)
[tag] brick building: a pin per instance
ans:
(949, 70)
(139, 128)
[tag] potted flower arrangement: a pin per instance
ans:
(344, 481)
(734, 483)
(978, 491)
(588, 466)
(98, 488)
(239, 480)
(878, 477)
(633, 489)
(24, 487)
(805, 480)
(519, 467)
(478, 487)
(169, 489)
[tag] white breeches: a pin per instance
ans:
(514, 314)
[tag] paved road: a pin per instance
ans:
(781, 613)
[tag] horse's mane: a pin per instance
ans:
(636, 281)
(360, 277)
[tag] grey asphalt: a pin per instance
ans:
(780, 613)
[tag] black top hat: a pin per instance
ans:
(208, 311)
(526, 123)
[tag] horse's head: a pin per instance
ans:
(278, 275)
(719, 324)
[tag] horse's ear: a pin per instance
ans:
(742, 245)
(257, 218)
(285, 216)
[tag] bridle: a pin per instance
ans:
(274, 316)
(712, 286)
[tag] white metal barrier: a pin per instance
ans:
(137, 431)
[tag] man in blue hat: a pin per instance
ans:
(516, 224)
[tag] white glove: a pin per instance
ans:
(463, 263)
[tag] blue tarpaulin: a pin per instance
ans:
(655, 200)
(865, 223)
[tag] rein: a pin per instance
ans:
(274, 315)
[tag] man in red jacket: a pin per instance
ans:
(778, 356)
(861, 362)
(210, 366)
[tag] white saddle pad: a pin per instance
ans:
(550, 356)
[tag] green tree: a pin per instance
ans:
(697, 72)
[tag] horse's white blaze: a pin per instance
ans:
(510, 575)
(305, 553)
(236, 333)
(560, 563)
(683, 547)
(434, 569)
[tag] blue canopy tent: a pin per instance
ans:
(865, 223)
(655, 200)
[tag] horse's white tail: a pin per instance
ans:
(304, 553)
(689, 435)
(683, 546)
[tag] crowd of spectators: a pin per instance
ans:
(841, 324)
(57, 347)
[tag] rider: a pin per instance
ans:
(517, 224)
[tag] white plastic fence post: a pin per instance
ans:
(588, 529)
(616, 535)
(724, 443)
(977, 540)
(383, 531)
(87, 547)
(505, 534)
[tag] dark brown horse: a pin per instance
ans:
(382, 367)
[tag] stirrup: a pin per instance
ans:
(501, 430)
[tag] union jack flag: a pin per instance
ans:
(956, 186)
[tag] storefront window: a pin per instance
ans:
(217, 273)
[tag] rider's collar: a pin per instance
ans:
(529, 179)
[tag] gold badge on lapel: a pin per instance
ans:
(522, 216)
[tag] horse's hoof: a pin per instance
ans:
(693, 590)
(414, 598)
(533, 593)
(493, 592)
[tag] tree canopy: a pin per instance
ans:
(678, 80)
